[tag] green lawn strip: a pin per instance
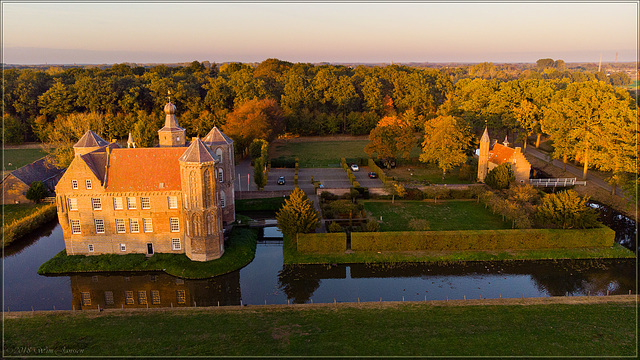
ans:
(444, 215)
(424, 174)
(409, 329)
(23, 219)
(239, 252)
(14, 212)
(267, 204)
(320, 154)
(20, 157)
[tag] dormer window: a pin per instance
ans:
(88, 184)
(178, 138)
(74, 184)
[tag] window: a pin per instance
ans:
(108, 297)
(73, 204)
(222, 198)
(117, 203)
(96, 204)
(75, 226)
(99, 227)
(88, 184)
(173, 202)
(174, 224)
(142, 297)
(86, 298)
(180, 296)
(123, 247)
(175, 244)
(90, 247)
(133, 225)
(131, 203)
(219, 154)
(120, 229)
(220, 175)
(146, 202)
(74, 184)
(128, 297)
(155, 297)
(147, 225)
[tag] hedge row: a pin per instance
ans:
(29, 223)
(524, 239)
(295, 177)
(322, 243)
(376, 169)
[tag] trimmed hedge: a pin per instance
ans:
(323, 243)
(29, 223)
(376, 169)
(523, 239)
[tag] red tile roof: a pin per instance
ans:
(144, 169)
(500, 154)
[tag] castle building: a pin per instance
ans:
(175, 198)
(491, 156)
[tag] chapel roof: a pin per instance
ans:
(500, 154)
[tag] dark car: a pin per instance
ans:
(281, 180)
(373, 175)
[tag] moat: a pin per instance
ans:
(267, 280)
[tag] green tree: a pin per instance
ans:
(567, 210)
(500, 177)
(37, 191)
(67, 130)
(297, 215)
(58, 100)
(12, 130)
(446, 140)
(392, 137)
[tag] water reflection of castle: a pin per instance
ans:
(135, 290)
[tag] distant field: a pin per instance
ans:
(444, 215)
(16, 158)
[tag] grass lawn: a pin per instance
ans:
(239, 252)
(16, 158)
(444, 215)
(421, 173)
(14, 212)
(267, 204)
(320, 154)
(399, 329)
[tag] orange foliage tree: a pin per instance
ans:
(392, 137)
(254, 119)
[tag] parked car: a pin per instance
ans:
(354, 167)
(373, 175)
(281, 180)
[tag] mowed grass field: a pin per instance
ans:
(443, 215)
(16, 158)
(319, 154)
(404, 329)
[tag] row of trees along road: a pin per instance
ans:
(250, 101)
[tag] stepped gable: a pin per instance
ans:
(197, 152)
(217, 137)
(170, 121)
(144, 169)
(500, 154)
(90, 139)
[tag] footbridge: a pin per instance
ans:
(557, 182)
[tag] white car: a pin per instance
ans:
(354, 167)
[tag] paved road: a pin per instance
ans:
(573, 170)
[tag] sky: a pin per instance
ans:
(356, 32)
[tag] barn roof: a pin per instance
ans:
(39, 170)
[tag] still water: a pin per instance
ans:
(267, 280)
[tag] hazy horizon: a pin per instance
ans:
(368, 33)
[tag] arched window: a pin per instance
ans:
(210, 224)
(222, 199)
(208, 189)
(197, 225)
(193, 186)
(220, 177)
(219, 154)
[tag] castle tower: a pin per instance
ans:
(204, 238)
(171, 134)
(483, 160)
(89, 142)
(222, 146)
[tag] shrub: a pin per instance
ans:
(567, 210)
(334, 227)
(326, 196)
(372, 226)
(419, 224)
(500, 177)
(37, 191)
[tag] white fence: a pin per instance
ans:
(558, 182)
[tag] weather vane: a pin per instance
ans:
(169, 95)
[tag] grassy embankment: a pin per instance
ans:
(495, 329)
(22, 219)
(239, 252)
(445, 215)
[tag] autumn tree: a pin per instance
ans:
(567, 210)
(255, 119)
(66, 131)
(446, 140)
(392, 137)
(297, 215)
(394, 189)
